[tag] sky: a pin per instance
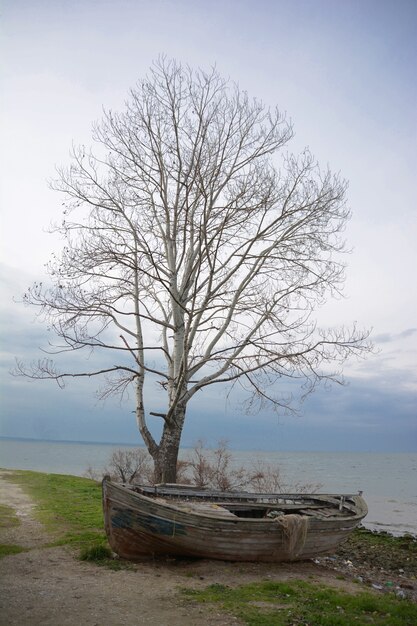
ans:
(344, 71)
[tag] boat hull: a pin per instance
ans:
(140, 527)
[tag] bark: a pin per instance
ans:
(166, 456)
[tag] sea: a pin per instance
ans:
(388, 480)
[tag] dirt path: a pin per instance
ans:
(50, 587)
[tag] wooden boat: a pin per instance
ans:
(169, 520)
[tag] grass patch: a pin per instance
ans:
(8, 517)
(406, 543)
(10, 548)
(95, 553)
(102, 555)
(298, 602)
(70, 509)
(68, 506)
(380, 549)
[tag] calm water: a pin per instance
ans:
(389, 481)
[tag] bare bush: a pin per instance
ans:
(265, 478)
(205, 468)
(129, 466)
(299, 487)
(92, 474)
(183, 472)
(215, 469)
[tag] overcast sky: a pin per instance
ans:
(345, 73)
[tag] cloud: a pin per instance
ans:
(376, 410)
(390, 337)
(345, 116)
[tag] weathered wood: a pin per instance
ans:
(190, 491)
(143, 522)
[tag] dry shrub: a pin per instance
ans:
(304, 487)
(92, 474)
(205, 468)
(265, 478)
(128, 466)
(214, 468)
(183, 472)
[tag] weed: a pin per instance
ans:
(298, 602)
(380, 549)
(98, 552)
(8, 517)
(9, 548)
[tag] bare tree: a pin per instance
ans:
(194, 255)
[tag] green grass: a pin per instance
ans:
(407, 542)
(380, 549)
(301, 603)
(95, 553)
(101, 554)
(8, 517)
(68, 506)
(10, 548)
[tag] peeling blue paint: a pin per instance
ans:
(127, 518)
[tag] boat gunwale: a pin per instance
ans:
(358, 514)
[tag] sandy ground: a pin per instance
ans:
(50, 587)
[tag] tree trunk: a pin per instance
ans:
(165, 459)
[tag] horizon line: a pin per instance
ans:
(190, 447)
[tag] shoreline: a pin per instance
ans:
(387, 481)
(379, 519)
